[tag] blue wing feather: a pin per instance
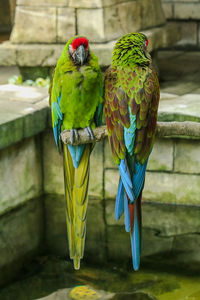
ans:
(57, 120)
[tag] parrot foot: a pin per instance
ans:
(73, 136)
(89, 132)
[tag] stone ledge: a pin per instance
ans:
(23, 113)
(45, 55)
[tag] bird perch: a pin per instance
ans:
(164, 129)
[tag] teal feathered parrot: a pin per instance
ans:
(76, 102)
(131, 104)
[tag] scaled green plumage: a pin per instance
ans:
(131, 95)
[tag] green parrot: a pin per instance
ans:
(131, 92)
(76, 102)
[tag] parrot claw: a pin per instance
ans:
(73, 136)
(89, 132)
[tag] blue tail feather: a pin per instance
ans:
(119, 203)
(126, 179)
(126, 214)
(135, 242)
(138, 178)
(76, 154)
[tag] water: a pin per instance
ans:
(159, 278)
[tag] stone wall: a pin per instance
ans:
(51, 21)
(186, 13)
(171, 195)
(32, 205)
(21, 208)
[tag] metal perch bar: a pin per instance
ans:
(164, 129)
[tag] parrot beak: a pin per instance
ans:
(80, 55)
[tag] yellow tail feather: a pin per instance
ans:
(76, 189)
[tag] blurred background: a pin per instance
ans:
(34, 259)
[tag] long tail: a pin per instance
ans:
(128, 200)
(76, 189)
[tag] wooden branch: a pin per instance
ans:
(164, 129)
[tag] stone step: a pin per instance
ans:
(46, 55)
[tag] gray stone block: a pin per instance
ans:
(94, 3)
(171, 220)
(65, 24)
(34, 25)
(95, 245)
(109, 23)
(96, 172)
(161, 157)
(20, 173)
(43, 2)
(172, 188)
(109, 161)
(186, 11)
(53, 165)
(111, 183)
(55, 225)
(151, 14)
(168, 10)
(187, 158)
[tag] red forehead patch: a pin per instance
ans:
(80, 41)
(147, 42)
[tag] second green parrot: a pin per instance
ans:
(131, 104)
(76, 102)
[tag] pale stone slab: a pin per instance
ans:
(34, 25)
(47, 55)
(22, 93)
(90, 23)
(172, 188)
(121, 19)
(103, 52)
(187, 106)
(8, 55)
(96, 172)
(161, 157)
(189, 33)
(187, 156)
(85, 3)
(65, 24)
(94, 3)
(20, 174)
(105, 24)
(38, 55)
(53, 166)
(43, 2)
(111, 183)
(152, 14)
(186, 11)
(109, 161)
(168, 10)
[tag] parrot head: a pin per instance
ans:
(78, 50)
(131, 49)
